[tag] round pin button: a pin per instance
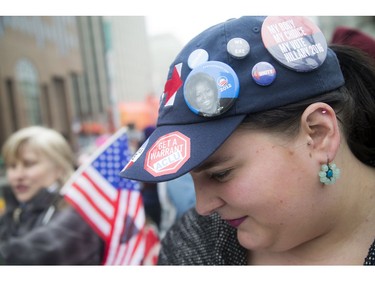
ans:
(238, 48)
(197, 57)
(295, 42)
(211, 89)
(263, 73)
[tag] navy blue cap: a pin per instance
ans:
(303, 67)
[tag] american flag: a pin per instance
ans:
(112, 205)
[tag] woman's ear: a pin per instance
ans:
(319, 124)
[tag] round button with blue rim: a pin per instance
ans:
(263, 73)
(211, 89)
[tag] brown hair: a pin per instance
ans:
(354, 104)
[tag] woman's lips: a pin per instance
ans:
(21, 188)
(236, 222)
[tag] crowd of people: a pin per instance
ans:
(37, 225)
(271, 164)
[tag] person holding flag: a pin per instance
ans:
(96, 218)
(113, 205)
(38, 226)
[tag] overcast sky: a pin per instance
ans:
(185, 8)
(183, 27)
(184, 18)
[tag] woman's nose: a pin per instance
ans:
(207, 201)
(15, 172)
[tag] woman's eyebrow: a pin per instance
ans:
(211, 163)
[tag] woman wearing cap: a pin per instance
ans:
(38, 227)
(286, 174)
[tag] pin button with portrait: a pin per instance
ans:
(211, 89)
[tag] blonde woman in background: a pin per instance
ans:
(38, 227)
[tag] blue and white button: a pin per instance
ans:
(263, 73)
(211, 89)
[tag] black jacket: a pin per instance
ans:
(198, 240)
(46, 231)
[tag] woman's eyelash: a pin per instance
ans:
(220, 175)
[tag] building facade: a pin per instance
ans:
(40, 65)
(71, 73)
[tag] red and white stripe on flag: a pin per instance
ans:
(112, 205)
(129, 228)
(152, 246)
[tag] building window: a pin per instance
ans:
(12, 105)
(27, 82)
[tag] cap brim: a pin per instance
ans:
(204, 139)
